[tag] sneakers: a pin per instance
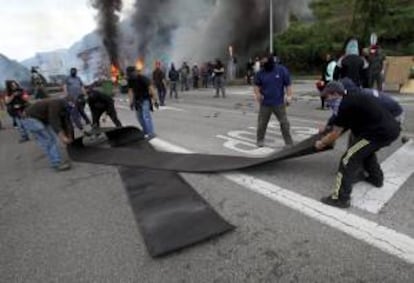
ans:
(374, 181)
(260, 143)
(22, 140)
(336, 202)
(149, 136)
(63, 166)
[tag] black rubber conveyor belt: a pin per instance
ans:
(170, 213)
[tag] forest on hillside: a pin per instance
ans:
(303, 45)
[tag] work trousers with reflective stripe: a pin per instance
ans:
(359, 156)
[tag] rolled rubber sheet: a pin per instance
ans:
(171, 215)
(144, 156)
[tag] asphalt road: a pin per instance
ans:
(77, 226)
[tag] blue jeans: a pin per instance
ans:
(45, 138)
(21, 128)
(144, 117)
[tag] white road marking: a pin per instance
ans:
(381, 237)
(397, 170)
(245, 147)
(163, 108)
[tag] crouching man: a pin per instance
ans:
(373, 127)
(46, 120)
(100, 103)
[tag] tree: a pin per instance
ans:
(368, 15)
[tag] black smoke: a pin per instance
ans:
(154, 24)
(203, 29)
(108, 20)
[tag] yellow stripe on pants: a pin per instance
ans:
(354, 149)
(338, 184)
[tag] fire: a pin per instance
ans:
(114, 73)
(140, 64)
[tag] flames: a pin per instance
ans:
(139, 64)
(115, 72)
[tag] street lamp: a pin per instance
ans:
(271, 26)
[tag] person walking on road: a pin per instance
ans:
(46, 118)
(76, 94)
(158, 78)
(219, 79)
(174, 77)
(141, 94)
(271, 84)
(373, 127)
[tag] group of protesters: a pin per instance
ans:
(373, 117)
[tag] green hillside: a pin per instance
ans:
(303, 45)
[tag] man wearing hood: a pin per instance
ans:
(75, 93)
(271, 84)
(352, 65)
(373, 127)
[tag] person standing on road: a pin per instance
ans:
(376, 60)
(158, 78)
(219, 79)
(373, 127)
(46, 118)
(38, 84)
(327, 75)
(141, 94)
(196, 76)
(271, 83)
(249, 71)
(184, 74)
(352, 65)
(76, 94)
(174, 77)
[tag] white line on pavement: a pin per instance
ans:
(372, 233)
(397, 170)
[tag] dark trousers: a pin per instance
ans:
(360, 156)
(265, 113)
(162, 92)
(323, 99)
(98, 111)
(195, 82)
(79, 111)
(173, 89)
(375, 79)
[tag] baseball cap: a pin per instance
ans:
(333, 86)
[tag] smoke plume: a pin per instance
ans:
(108, 19)
(198, 30)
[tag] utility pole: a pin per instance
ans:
(271, 27)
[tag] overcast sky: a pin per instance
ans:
(30, 26)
